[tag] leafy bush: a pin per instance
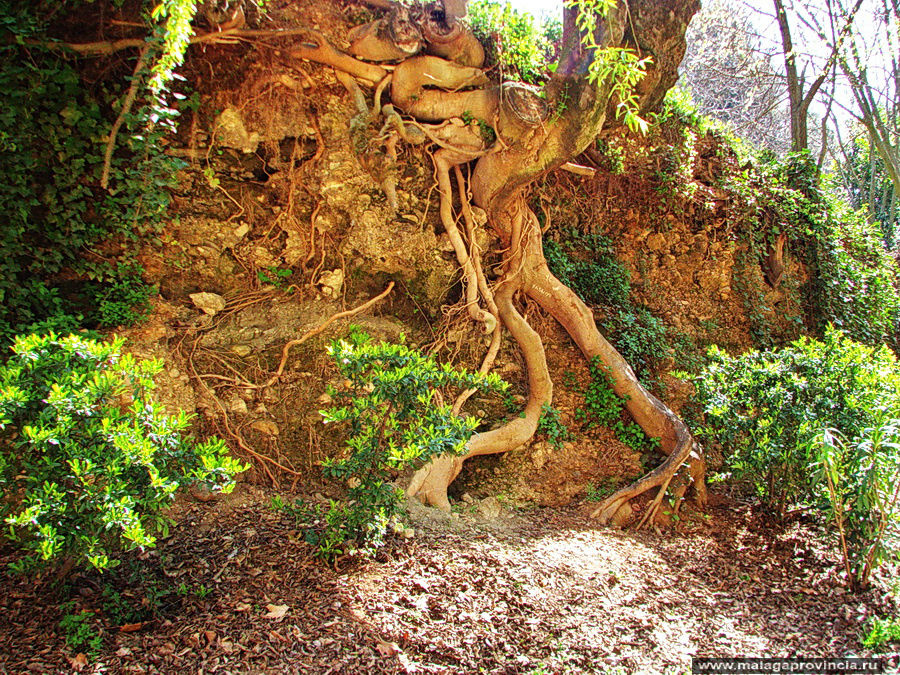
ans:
(862, 489)
(87, 459)
(816, 423)
(764, 408)
(514, 40)
(396, 419)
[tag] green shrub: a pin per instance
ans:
(514, 40)
(882, 632)
(861, 485)
(396, 419)
(80, 632)
(87, 459)
(764, 408)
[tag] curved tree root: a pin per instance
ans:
(653, 416)
(430, 483)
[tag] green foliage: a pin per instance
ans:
(514, 40)
(123, 301)
(882, 632)
(862, 489)
(865, 178)
(395, 420)
(553, 427)
(87, 459)
(621, 68)
(640, 337)
(80, 632)
(56, 213)
(586, 264)
(599, 492)
(765, 408)
(856, 283)
(603, 407)
(67, 245)
(276, 276)
(172, 34)
(598, 280)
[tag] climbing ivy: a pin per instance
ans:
(67, 246)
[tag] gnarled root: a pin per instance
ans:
(452, 40)
(389, 38)
(408, 90)
(653, 416)
(315, 47)
(443, 161)
(431, 481)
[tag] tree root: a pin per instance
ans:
(285, 351)
(409, 93)
(653, 416)
(430, 483)
(315, 47)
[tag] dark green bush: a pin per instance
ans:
(66, 243)
(604, 408)
(87, 459)
(765, 407)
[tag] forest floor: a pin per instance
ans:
(235, 589)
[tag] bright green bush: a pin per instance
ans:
(87, 459)
(815, 423)
(396, 419)
(514, 40)
(765, 408)
(882, 632)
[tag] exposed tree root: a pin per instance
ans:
(433, 89)
(286, 350)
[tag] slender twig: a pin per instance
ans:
(127, 102)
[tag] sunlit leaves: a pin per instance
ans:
(617, 67)
(87, 459)
(395, 410)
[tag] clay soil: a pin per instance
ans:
(235, 589)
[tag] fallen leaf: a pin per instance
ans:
(275, 611)
(78, 662)
(387, 648)
(131, 627)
